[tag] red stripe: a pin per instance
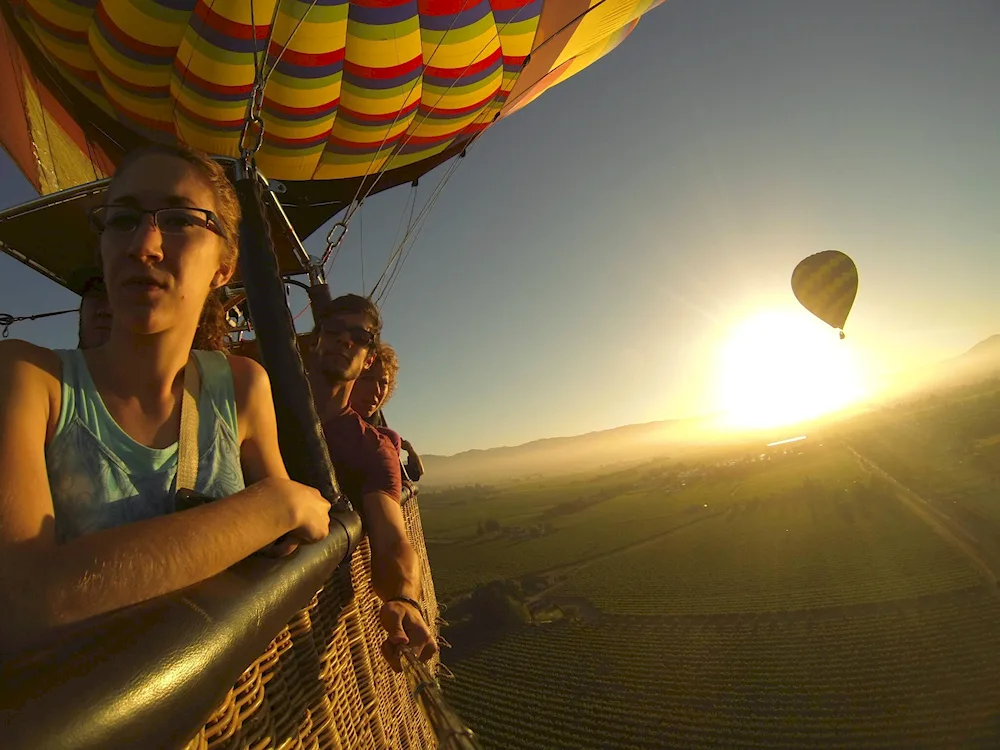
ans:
(433, 140)
(134, 88)
(461, 110)
(386, 117)
(216, 88)
(514, 59)
(277, 140)
(277, 107)
(444, 7)
(57, 31)
(130, 42)
(236, 125)
(230, 28)
(509, 5)
(380, 3)
(478, 67)
(83, 75)
(380, 74)
(163, 127)
(305, 59)
(386, 147)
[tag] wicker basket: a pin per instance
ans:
(322, 683)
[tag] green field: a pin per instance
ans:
(804, 550)
(919, 676)
(790, 602)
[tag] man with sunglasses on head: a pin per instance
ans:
(367, 466)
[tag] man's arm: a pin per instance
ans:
(396, 573)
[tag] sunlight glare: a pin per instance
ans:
(778, 368)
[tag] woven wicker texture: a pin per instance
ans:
(322, 684)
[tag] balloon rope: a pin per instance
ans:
(411, 202)
(6, 321)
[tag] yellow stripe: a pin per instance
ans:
(600, 23)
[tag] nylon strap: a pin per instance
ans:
(187, 443)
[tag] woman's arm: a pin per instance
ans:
(260, 455)
(45, 585)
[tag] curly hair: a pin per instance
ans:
(386, 355)
(213, 329)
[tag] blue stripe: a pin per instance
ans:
(294, 70)
(381, 83)
(380, 16)
(461, 20)
(524, 13)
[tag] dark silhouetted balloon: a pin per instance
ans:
(826, 284)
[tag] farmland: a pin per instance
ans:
(922, 675)
(779, 599)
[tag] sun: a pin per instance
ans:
(778, 368)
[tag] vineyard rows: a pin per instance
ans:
(798, 551)
(635, 511)
(913, 678)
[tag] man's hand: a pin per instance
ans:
(404, 625)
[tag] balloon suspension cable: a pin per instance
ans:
(402, 251)
(451, 732)
(6, 321)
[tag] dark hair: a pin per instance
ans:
(352, 304)
(213, 330)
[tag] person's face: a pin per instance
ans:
(158, 277)
(95, 319)
(370, 390)
(344, 346)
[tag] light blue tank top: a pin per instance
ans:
(100, 477)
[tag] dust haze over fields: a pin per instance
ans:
(634, 444)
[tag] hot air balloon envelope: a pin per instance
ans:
(826, 284)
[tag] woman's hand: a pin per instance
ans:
(309, 514)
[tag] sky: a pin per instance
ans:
(589, 260)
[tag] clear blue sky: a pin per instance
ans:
(587, 259)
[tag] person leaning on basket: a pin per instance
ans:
(90, 437)
(370, 393)
(367, 466)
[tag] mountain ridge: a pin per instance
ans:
(646, 440)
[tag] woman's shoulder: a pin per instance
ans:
(23, 359)
(249, 376)
(30, 378)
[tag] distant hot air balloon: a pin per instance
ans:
(826, 284)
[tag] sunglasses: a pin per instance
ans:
(359, 336)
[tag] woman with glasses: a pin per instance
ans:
(90, 438)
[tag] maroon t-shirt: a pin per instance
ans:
(365, 460)
(395, 439)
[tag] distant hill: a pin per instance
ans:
(978, 363)
(642, 442)
(635, 442)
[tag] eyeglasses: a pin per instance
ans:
(359, 336)
(124, 220)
